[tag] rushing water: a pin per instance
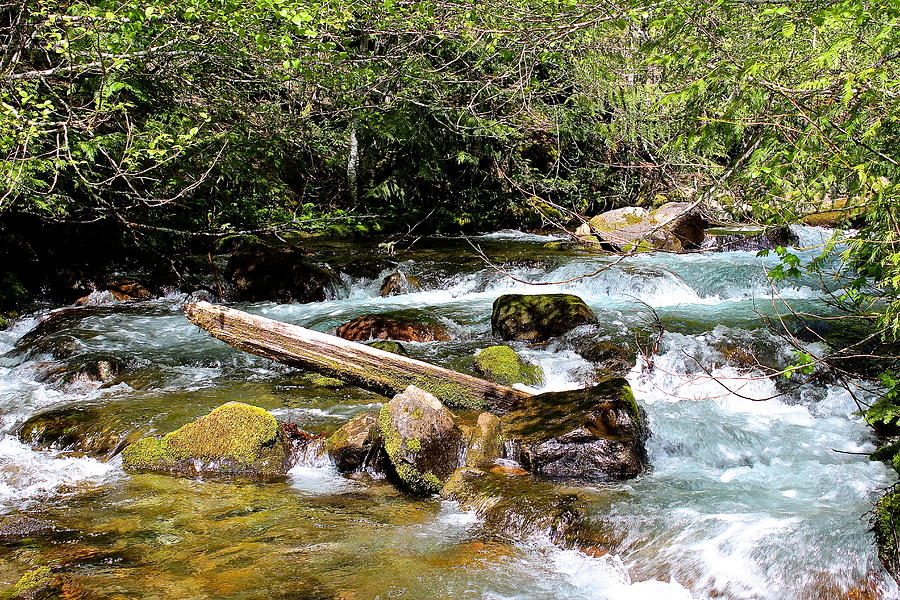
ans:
(745, 499)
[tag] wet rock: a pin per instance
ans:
(518, 505)
(405, 326)
(485, 441)
(502, 365)
(609, 356)
(421, 440)
(234, 439)
(594, 434)
(674, 226)
(389, 346)
(80, 429)
(357, 444)
(748, 238)
(538, 317)
(19, 527)
(279, 275)
(398, 283)
(36, 584)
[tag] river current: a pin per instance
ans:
(759, 487)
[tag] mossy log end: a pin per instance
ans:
(384, 372)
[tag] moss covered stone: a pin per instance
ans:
(538, 317)
(234, 439)
(356, 444)
(886, 526)
(502, 365)
(421, 440)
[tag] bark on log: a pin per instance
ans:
(384, 372)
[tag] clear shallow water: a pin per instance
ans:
(745, 500)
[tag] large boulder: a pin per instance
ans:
(234, 439)
(279, 275)
(502, 365)
(674, 226)
(404, 326)
(538, 317)
(421, 440)
(357, 444)
(593, 434)
(748, 238)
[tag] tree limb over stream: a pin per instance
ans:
(383, 372)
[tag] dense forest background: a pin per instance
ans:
(130, 127)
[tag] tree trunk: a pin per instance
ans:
(384, 372)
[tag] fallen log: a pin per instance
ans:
(383, 372)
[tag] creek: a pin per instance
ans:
(744, 499)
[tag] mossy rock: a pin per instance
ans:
(421, 440)
(389, 346)
(593, 434)
(674, 226)
(36, 584)
(502, 365)
(357, 444)
(538, 317)
(234, 439)
(886, 526)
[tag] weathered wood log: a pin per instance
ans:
(384, 372)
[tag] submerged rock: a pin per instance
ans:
(402, 325)
(86, 429)
(37, 583)
(594, 434)
(421, 440)
(519, 505)
(748, 239)
(279, 275)
(357, 444)
(502, 365)
(538, 317)
(674, 226)
(19, 527)
(234, 439)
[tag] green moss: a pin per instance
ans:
(627, 395)
(4, 322)
(502, 365)
(31, 582)
(414, 480)
(414, 445)
(451, 394)
(885, 526)
(238, 436)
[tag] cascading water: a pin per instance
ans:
(758, 487)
